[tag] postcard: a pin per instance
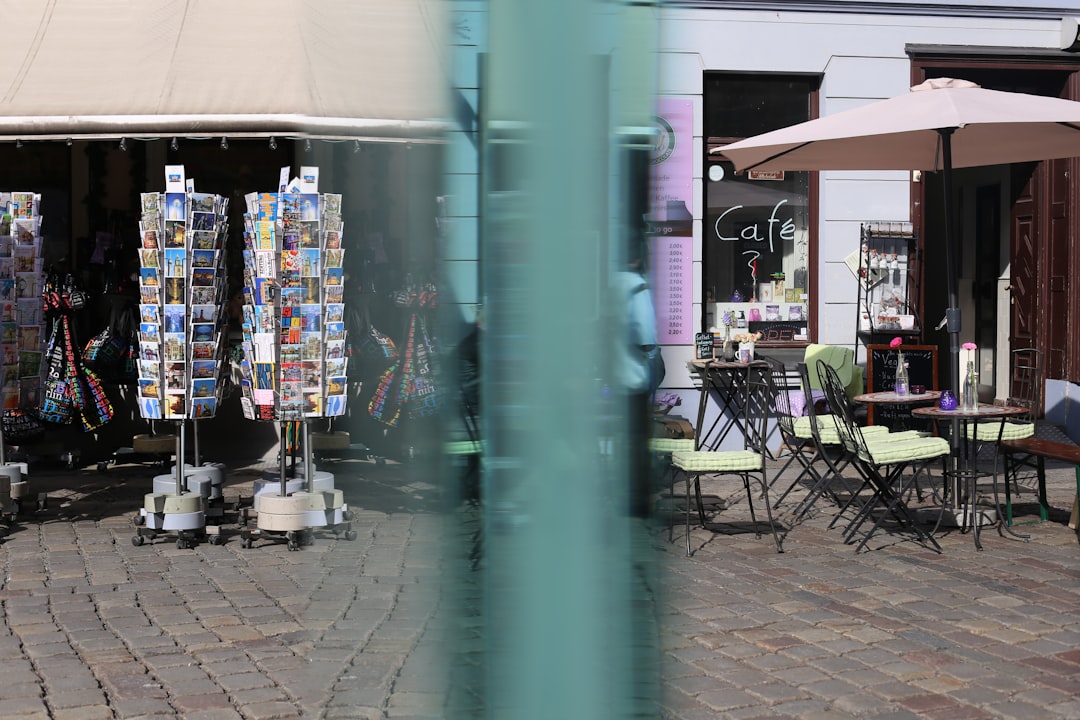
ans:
(335, 350)
(30, 337)
(175, 346)
(202, 277)
(148, 258)
(150, 294)
(335, 331)
(203, 295)
(336, 385)
(175, 206)
(331, 203)
(335, 294)
(149, 388)
(292, 297)
(175, 263)
(335, 312)
(202, 332)
(291, 354)
(335, 258)
(311, 290)
(7, 312)
(174, 179)
(247, 407)
(311, 314)
(203, 387)
(149, 351)
(149, 332)
(204, 258)
(291, 372)
(175, 405)
(203, 350)
(149, 277)
(29, 311)
(335, 405)
(203, 202)
(310, 261)
(149, 313)
(175, 233)
(332, 240)
(175, 374)
(7, 289)
(151, 202)
(174, 290)
(150, 408)
(203, 221)
(290, 241)
(203, 369)
(335, 276)
(203, 313)
(203, 240)
(335, 366)
(9, 333)
(203, 408)
(263, 376)
(149, 369)
(175, 316)
(311, 346)
(313, 403)
(29, 364)
(28, 285)
(291, 392)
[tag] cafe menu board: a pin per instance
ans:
(182, 281)
(672, 284)
(21, 313)
(294, 337)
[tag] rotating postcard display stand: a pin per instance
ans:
(293, 366)
(21, 328)
(182, 287)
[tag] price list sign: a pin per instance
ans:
(672, 283)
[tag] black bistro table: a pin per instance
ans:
(724, 382)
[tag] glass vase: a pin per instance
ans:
(969, 397)
(901, 387)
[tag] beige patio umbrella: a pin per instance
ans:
(941, 124)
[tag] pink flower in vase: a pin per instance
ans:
(896, 342)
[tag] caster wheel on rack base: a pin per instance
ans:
(350, 535)
(137, 540)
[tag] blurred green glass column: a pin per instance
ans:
(560, 592)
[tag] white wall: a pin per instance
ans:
(861, 59)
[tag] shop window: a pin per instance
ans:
(759, 239)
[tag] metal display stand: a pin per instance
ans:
(22, 330)
(294, 358)
(181, 351)
(888, 282)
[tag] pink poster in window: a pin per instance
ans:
(672, 166)
(672, 283)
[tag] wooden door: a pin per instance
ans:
(1024, 257)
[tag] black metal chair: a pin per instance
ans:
(882, 464)
(747, 463)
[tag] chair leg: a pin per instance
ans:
(688, 553)
(700, 504)
(1044, 506)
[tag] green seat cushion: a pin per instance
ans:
(988, 431)
(696, 461)
(464, 447)
(670, 445)
(901, 451)
(827, 429)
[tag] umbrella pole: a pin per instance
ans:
(952, 312)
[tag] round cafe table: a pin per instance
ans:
(967, 473)
(888, 397)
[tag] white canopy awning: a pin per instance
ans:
(318, 68)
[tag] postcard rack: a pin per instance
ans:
(22, 331)
(294, 361)
(181, 345)
(888, 287)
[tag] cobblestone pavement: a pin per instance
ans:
(95, 627)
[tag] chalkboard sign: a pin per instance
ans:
(703, 342)
(881, 375)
